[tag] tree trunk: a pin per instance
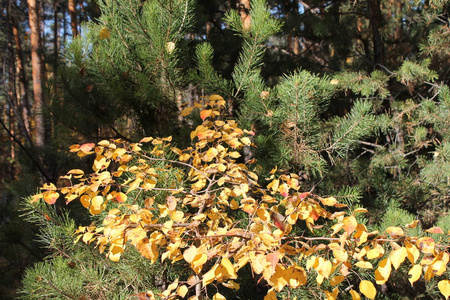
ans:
(36, 64)
(24, 100)
(73, 17)
(375, 22)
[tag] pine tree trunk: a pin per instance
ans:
(24, 102)
(375, 22)
(73, 17)
(36, 64)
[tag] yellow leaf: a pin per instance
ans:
(274, 185)
(100, 163)
(278, 279)
(211, 153)
(415, 273)
(115, 251)
(361, 234)
(366, 287)
(398, 256)
(297, 276)
(444, 288)
(271, 295)
(336, 280)
(104, 33)
(234, 154)
(87, 237)
(383, 271)
(226, 263)
(376, 252)
(438, 267)
(231, 285)
(336, 228)
(190, 253)
(426, 245)
(197, 186)
(209, 276)
(246, 141)
(198, 262)
(176, 216)
(355, 295)
(215, 98)
(327, 268)
(332, 295)
(184, 157)
(364, 265)
(267, 239)
(170, 47)
(147, 249)
(395, 232)
(360, 210)
(413, 224)
(149, 184)
(334, 81)
(412, 252)
(182, 291)
(328, 201)
(218, 296)
(146, 140)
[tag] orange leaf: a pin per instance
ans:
(205, 113)
(51, 197)
(120, 197)
(87, 147)
(349, 224)
(435, 230)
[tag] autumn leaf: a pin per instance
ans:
(120, 197)
(437, 230)
(190, 253)
(218, 296)
(330, 201)
(87, 147)
(187, 111)
(383, 271)
(398, 256)
(413, 224)
(205, 113)
(426, 245)
(367, 289)
(332, 295)
(444, 288)
(395, 232)
(355, 295)
(51, 197)
(104, 33)
(349, 224)
(415, 273)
